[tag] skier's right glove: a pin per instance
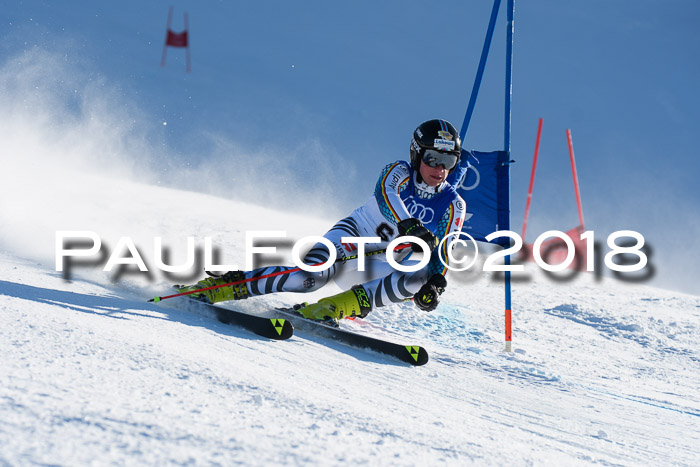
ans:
(428, 296)
(415, 228)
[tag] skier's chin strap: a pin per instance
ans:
(423, 187)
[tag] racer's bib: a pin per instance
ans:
(428, 211)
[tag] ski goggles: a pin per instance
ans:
(436, 158)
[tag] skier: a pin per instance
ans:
(409, 199)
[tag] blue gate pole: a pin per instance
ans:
(509, 98)
(480, 70)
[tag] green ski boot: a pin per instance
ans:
(354, 302)
(219, 294)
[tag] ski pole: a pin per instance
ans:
(274, 274)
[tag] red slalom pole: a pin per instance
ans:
(575, 175)
(532, 178)
(274, 274)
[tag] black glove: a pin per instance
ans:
(428, 296)
(233, 276)
(415, 228)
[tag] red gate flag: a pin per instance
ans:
(554, 250)
(176, 39)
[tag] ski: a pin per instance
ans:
(413, 354)
(272, 328)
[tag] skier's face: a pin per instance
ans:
(433, 176)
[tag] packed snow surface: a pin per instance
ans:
(602, 371)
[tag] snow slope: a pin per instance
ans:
(602, 372)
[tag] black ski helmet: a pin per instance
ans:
(436, 134)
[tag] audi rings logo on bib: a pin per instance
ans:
(420, 212)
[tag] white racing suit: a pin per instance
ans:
(397, 196)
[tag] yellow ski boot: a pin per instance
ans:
(219, 294)
(354, 302)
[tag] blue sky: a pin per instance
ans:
(321, 95)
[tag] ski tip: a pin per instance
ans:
(283, 329)
(417, 355)
(154, 300)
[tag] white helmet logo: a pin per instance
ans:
(444, 145)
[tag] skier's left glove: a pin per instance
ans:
(428, 296)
